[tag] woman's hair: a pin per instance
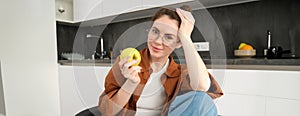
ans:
(171, 12)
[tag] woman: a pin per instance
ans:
(159, 86)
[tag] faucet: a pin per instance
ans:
(91, 36)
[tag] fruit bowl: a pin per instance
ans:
(244, 53)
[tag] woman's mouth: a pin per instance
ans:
(155, 49)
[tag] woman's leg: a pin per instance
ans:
(194, 103)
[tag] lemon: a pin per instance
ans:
(133, 53)
(242, 45)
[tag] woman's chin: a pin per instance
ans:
(156, 55)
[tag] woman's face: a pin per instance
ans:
(162, 37)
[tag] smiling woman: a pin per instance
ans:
(158, 85)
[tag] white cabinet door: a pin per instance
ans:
(87, 9)
(158, 3)
(116, 7)
(70, 102)
(80, 87)
(282, 107)
(255, 92)
(283, 84)
(251, 82)
(241, 105)
(94, 9)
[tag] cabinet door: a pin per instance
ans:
(80, 87)
(284, 84)
(87, 9)
(251, 82)
(241, 105)
(70, 102)
(116, 7)
(282, 107)
(159, 3)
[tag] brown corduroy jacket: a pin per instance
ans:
(175, 82)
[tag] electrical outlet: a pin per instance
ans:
(201, 46)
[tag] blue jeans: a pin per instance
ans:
(194, 103)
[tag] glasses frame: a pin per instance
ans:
(163, 38)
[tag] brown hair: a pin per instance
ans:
(171, 12)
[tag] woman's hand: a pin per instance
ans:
(187, 23)
(128, 71)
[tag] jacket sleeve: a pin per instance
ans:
(214, 91)
(113, 82)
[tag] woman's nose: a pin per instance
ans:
(159, 39)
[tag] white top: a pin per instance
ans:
(153, 96)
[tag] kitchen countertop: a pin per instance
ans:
(237, 63)
(253, 61)
(86, 62)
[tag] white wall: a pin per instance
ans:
(28, 57)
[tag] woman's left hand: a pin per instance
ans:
(187, 23)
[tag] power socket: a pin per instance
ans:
(201, 46)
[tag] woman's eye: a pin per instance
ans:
(155, 31)
(169, 37)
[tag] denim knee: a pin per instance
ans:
(194, 103)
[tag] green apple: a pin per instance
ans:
(133, 53)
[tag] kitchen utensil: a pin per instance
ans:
(276, 52)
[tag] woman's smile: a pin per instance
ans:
(156, 49)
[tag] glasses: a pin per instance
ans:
(168, 39)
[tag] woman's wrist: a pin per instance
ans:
(129, 86)
(135, 80)
(185, 40)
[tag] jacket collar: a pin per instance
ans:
(173, 69)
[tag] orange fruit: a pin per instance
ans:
(247, 47)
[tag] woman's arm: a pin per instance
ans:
(116, 97)
(199, 78)
(123, 95)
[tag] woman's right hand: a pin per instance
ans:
(128, 71)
